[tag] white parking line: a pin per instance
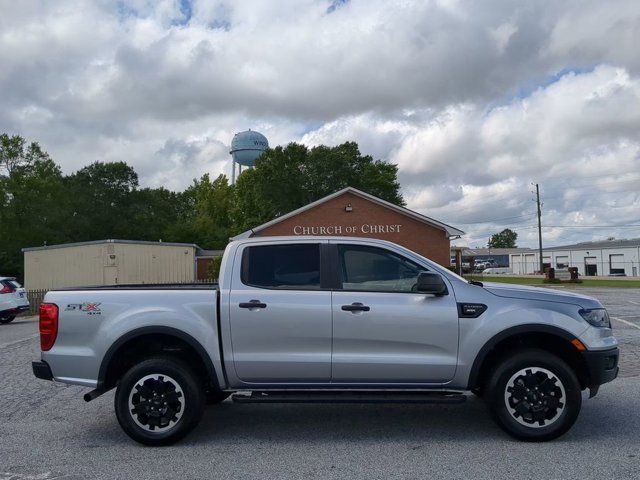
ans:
(626, 322)
(635, 303)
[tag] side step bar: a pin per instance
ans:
(291, 396)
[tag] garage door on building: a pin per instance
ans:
(616, 264)
(529, 263)
(562, 261)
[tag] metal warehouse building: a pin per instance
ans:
(604, 258)
(108, 262)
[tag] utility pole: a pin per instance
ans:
(539, 228)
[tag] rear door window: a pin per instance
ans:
(295, 266)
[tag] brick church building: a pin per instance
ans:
(351, 212)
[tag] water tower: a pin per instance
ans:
(246, 147)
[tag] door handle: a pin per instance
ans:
(252, 304)
(356, 307)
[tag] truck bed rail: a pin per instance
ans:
(144, 286)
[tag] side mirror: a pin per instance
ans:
(431, 283)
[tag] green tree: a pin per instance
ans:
(286, 178)
(156, 214)
(14, 153)
(210, 222)
(100, 201)
(30, 192)
(505, 239)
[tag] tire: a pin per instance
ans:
(534, 395)
(172, 407)
(8, 319)
(213, 397)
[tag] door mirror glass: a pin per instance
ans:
(432, 283)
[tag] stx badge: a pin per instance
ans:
(88, 308)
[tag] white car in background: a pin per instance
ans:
(497, 271)
(13, 299)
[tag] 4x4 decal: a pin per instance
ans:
(87, 307)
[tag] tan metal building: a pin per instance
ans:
(108, 262)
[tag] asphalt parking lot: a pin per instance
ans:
(47, 431)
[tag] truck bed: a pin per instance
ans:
(93, 320)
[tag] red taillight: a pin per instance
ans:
(7, 289)
(48, 325)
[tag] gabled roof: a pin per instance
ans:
(451, 231)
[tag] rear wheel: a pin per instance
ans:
(534, 395)
(159, 401)
(7, 319)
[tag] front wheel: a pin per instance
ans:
(159, 401)
(534, 395)
(7, 319)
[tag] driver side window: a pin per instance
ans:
(375, 269)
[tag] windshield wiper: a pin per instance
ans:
(475, 282)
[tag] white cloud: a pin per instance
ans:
(465, 97)
(578, 137)
(502, 34)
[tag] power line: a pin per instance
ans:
(527, 215)
(530, 227)
(633, 205)
(488, 234)
(636, 225)
(557, 179)
(601, 184)
(599, 193)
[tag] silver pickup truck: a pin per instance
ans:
(328, 319)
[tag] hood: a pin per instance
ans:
(544, 294)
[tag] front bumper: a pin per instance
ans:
(42, 370)
(602, 366)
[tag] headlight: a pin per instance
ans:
(598, 317)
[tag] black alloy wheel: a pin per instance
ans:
(534, 395)
(159, 401)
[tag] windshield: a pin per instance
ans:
(435, 266)
(454, 274)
